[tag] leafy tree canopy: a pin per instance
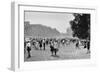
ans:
(81, 26)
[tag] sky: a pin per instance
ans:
(60, 21)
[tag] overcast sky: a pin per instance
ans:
(60, 21)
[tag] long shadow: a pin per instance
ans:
(55, 56)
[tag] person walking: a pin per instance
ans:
(43, 44)
(54, 49)
(77, 45)
(40, 44)
(51, 48)
(88, 47)
(28, 49)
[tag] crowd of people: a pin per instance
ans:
(53, 44)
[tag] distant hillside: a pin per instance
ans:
(38, 30)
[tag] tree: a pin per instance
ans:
(81, 26)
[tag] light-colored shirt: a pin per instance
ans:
(28, 45)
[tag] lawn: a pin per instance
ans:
(65, 53)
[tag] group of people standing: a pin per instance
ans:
(41, 45)
(52, 43)
(85, 44)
